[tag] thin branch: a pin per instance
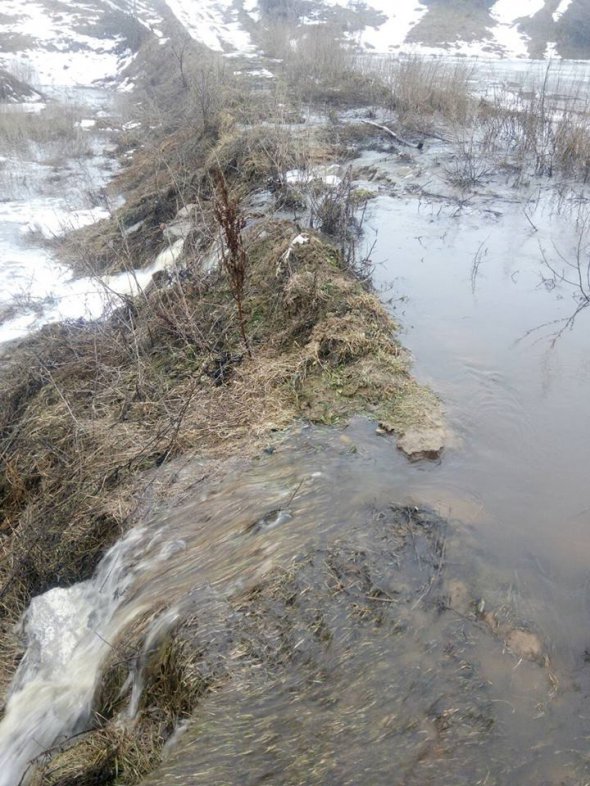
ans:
(393, 135)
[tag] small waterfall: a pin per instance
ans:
(67, 634)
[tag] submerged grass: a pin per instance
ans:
(284, 625)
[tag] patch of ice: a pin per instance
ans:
(305, 176)
(168, 256)
(25, 107)
(55, 221)
(126, 86)
(263, 72)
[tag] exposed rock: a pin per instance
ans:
(459, 598)
(491, 620)
(181, 224)
(524, 644)
(419, 444)
(177, 229)
(188, 211)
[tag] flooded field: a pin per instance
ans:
(482, 313)
(352, 617)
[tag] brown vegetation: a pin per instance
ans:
(85, 408)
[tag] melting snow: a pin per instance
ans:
(561, 9)
(401, 18)
(214, 24)
(508, 11)
(61, 55)
(506, 33)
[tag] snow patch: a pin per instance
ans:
(551, 52)
(401, 18)
(61, 56)
(214, 24)
(561, 9)
(508, 11)
(506, 14)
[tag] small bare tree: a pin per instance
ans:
(180, 49)
(233, 257)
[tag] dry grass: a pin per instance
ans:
(422, 90)
(49, 135)
(174, 170)
(86, 409)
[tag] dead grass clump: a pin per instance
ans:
(572, 146)
(421, 88)
(320, 66)
(260, 156)
(46, 136)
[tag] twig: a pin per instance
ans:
(393, 135)
(477, 260)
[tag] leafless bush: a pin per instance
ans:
(338, 211)
(572, 272)
(421, 87)
(51, 134)
(471, 161)
(320, 66)
(538, 129)
(233, 259)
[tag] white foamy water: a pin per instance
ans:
(67, 634)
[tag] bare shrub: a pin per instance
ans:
(41, 136)
(571, 271)
(321, 66)
(233, 258)
(472, 161)
(540, 127)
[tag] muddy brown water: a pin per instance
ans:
(517, 403)
(433, 692)
(356, 635)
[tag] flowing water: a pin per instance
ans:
(425, 691)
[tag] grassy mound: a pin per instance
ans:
(85, 409)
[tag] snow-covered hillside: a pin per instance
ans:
(498, 28)
(45, 42)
